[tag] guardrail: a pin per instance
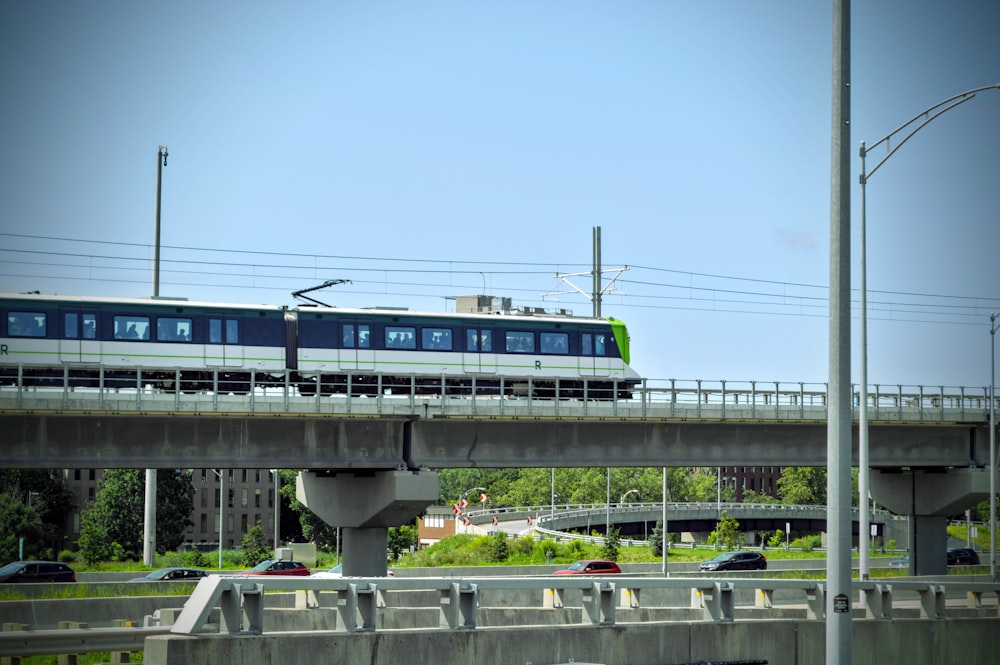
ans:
(652, 398)
(358, 600)
(602, 601)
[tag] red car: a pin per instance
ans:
(591, 567)
(278, 567)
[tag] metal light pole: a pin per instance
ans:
(993, 449)
(149, 521)
(924, 117)
(277, 511)
(665, 531)
(222, 505)
(621, 499)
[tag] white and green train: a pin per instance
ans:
(202, 346)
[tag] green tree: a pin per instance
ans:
(612, 544)
(254, 546)
(727, 532)
(656, 539)
(19, 521)
(803, 485)
(402, 539)
(44, 490)
(117, 513)
(499, 549)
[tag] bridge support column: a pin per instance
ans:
(365, 504)
(928, 497)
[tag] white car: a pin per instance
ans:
(338, 571)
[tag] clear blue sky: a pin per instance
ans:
(433, 149)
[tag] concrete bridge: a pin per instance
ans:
(371, 459)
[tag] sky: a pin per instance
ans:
(426, 150)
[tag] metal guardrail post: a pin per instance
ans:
(357, 607)
(816, 602)
(458, 606)
(716, 598)
(878, 601)
(599, 604)
(932, 602)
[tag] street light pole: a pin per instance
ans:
(993, 449)
(924, 117)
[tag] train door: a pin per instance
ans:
(356, 349)
(478, 354)
(78, 337)
(224, 348)
(594, 359)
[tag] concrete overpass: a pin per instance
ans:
(370, 460)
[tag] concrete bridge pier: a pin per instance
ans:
(365, 504)
(929, 497)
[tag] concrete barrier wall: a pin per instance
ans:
(778, 642)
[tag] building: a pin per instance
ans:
(436, 523)
(250, 497)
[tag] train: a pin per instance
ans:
(176, 344)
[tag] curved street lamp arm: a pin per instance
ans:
(928, 115)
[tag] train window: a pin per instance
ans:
(555, 343)
(479, 340)
(438, 339)
(520, 342)
(26, 324)
(348, 335)
(232, 331)
(364, 336)
(131, 327)
(170, 329)
(599, 349)
(215, 331)
(90, 326)
(400, 337)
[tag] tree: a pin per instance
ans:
(44, 491)
(112, 524)
(402, 538)
(254, 546)
(18, 521)
(727, 532)
(612, 544)
(803, 485)
(656, 539)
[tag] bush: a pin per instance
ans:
(807, 543)
(67, 556)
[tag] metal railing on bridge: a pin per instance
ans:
(434, 396)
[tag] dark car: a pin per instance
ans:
(171, 575)
(735, 561)
(21, 572)
(591, 567)
(962, 556)
(278, 567)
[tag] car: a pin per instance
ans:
(735, 561)
(278, 567)
(591, 567)
(338, 571)
(332, 573)
(903, 562)
(172, 575)
(963, 556)
(21, 572)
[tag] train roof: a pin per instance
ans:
(534, 315)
